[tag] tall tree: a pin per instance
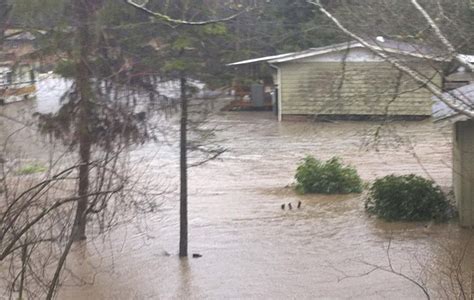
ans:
(183, 170)
(103, 50)
(83, 13)
(193, 51)
(112, 56)
(109, 71)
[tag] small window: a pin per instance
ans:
(32, 76)
(9, 77)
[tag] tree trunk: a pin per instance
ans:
(183, 197)
(24, 262)
(5, 9)
(84, 89)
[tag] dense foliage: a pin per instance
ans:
(407, 198)
(330, 177)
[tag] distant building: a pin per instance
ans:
(348, 80)
(463, 150)
(19, 42)
(17, 82)
(458, 79)
(17, 66)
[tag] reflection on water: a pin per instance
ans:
(253, 249)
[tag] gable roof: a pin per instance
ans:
(441, 111)
(385, 45)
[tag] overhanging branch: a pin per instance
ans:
(171, 20)
(439, 34)
(456, 105)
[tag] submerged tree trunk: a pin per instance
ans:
(183, 212)
(24, 264)
(84, 89)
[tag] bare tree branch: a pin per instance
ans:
(59, 268)
(452, 50)
(435, 27)
(44, 213)
(213, 155)
(171, 20)
(454, 104)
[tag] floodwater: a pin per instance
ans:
(252, 249)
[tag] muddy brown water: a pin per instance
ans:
(252, 249)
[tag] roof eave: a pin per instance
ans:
(281, 58)
(315, 52)
(358, 45)
(453, 118)
(259, 59)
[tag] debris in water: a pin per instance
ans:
(197, 255)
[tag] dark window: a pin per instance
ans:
(32, 76)
(9, 77)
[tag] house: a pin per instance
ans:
(463, 150)
(17, 81)
(17, 66)
(348, 80)
(19, 42)
(458, 79)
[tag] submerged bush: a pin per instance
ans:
(32, 169)
(407, 198)
(330, 177)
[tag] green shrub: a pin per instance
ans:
(65, 68)
(407, 198)
(330, 177)
(32, 169)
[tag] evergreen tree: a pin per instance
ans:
(106, 55)
(192, 52)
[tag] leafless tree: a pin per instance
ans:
(446, 278)
(37, 214)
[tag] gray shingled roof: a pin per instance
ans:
(441, 111)
(385, 45)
